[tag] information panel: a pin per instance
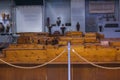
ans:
(101, 6)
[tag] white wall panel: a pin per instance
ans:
(29, 18)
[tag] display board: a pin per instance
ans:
(101, 6)
(29, 18)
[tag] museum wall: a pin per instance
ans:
(55, 9)
(95, 20)
(78, 14)
(73, 11)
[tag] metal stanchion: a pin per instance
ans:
(69, 63)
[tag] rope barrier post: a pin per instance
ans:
(69, 64)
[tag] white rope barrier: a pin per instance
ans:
(93, 64)
(44, 64)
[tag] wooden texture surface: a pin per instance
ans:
(34, 54)
(59, 72)
(10, 73)
(29, 53)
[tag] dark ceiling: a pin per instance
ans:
(28, 2)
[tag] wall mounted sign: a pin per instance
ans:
(101, 6)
